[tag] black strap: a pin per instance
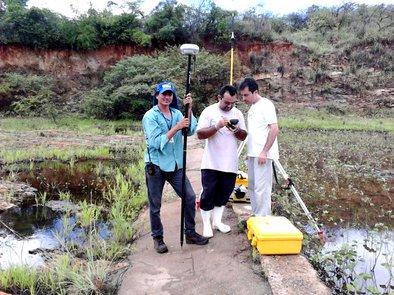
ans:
(275, 175)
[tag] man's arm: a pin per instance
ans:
(240, 134)
(206, 132)
(240, 131)
(272, 133)
(179, 126)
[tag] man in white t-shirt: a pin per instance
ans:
(221, 125)
(262, 146)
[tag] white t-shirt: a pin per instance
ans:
(260, 115)
(220, 152)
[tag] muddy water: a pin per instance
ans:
(35, 230)
(84, 180)
(87, 180)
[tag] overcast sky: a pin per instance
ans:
(276, 7)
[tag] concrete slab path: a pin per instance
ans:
(224, 266)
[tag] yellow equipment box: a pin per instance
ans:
(241, 181)
(240, 189)
(274, 235)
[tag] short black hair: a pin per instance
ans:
(228, 88)
(250, 83)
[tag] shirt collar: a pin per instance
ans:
(156, 108)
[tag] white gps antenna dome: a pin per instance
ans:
(189, 49)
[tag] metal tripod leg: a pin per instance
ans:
(292, 188)
(296, 195)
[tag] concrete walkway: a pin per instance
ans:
(224, 266)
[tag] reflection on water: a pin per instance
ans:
(374, 250)
(16, 252)
(37, 228)
(82, 179)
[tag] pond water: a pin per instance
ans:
(373, 254)
(86, 179)
(36, 229)
(38, 226)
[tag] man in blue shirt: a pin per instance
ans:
(163, 125)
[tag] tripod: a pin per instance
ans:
(289, 185)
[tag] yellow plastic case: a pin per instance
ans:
(241, 181)
(274, 235)
(241, 184)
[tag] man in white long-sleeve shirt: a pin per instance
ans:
(262, 146)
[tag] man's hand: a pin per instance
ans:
(221, 123)
(188, 100)
(231, 127)
(262, 158)
(184, 123)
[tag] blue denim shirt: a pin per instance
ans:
(163, 152)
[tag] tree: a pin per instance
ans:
(322, 21)
(194, 19)
(125, 29)
(10, 5)
(297, 21)
(254, 26)
(32, 27)
(217, 24)
(166, 22)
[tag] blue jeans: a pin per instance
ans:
(155, 184)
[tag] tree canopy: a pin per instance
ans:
(171, 23)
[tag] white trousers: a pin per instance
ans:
(260, 186)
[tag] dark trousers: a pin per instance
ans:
(155, 184)
(217, 187)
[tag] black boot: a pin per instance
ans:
(159, 245)
(197, 239)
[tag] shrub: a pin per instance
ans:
(27, 94)
(97, 104)
(128, 86)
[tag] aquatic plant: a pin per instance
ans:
(88, 213)
(346, 270)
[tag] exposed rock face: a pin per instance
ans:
(65, 63)
(15, 194)
(71, 63)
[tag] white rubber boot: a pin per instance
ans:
(217, 220)
(206, 220)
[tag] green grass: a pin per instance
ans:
(71, 123)
(332, 165)
(322, 121)
(65, 275)
(88, 213)
(12, 156)
(86, 268)
(21, 277)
